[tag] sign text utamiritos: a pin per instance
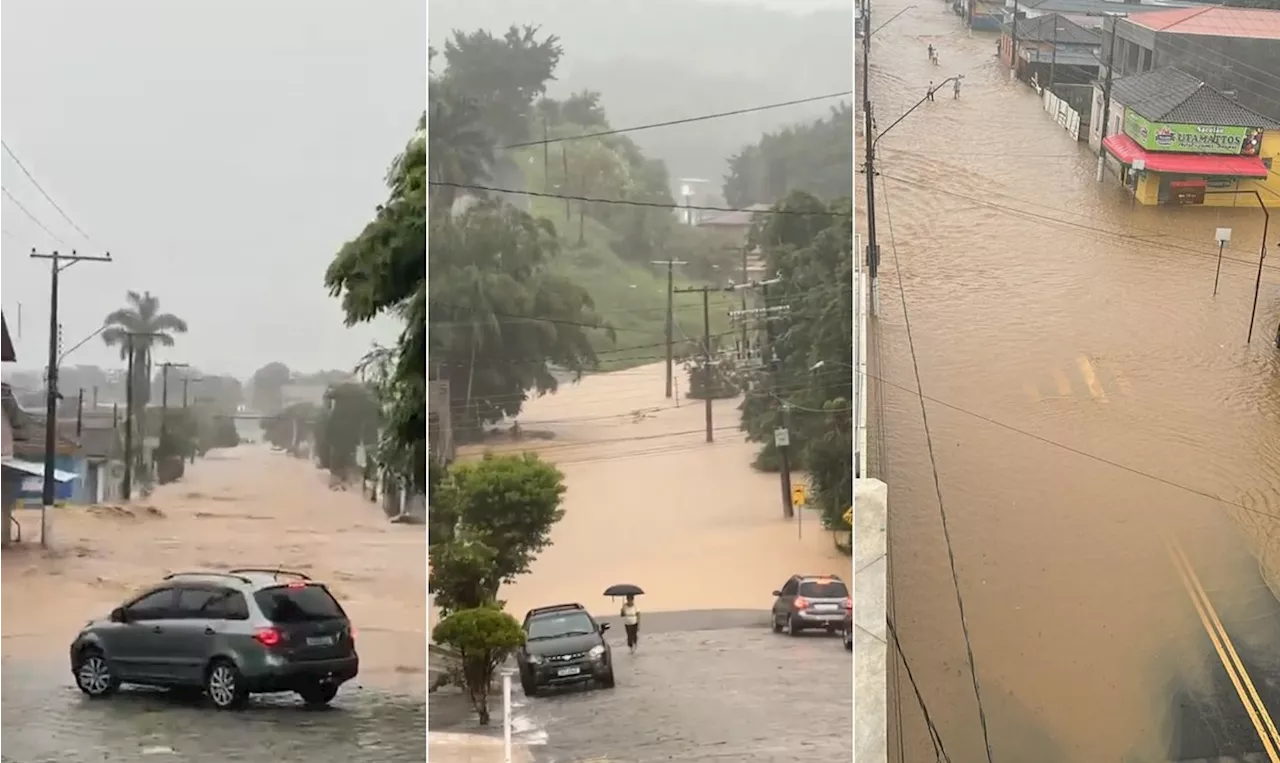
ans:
(1195, 139)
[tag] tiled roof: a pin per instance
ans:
(1216, 21)
(1173, 96)
(1088, 7)
(1041, 29)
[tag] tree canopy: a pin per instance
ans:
(810, 246)
(816, 157)
(141, 326)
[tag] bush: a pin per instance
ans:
(483, 638)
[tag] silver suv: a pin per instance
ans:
(810, 601)
(228, 634)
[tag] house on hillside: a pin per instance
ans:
(733, 229)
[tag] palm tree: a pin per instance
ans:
(149, 327)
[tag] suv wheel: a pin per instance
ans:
(224, 685)
(789, 627)
(318, 694)
(530, 688)
(774, 623)
(607, 682)
(93, 674)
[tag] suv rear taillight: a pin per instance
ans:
(801, 603)
(351, 632)
(268, 636)
(848, 603)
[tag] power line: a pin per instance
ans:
(939, 750)
(34, 219)
(632, 203)
(674, 122)
(937, 485)
(46, 196)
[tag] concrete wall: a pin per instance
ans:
(870, 651)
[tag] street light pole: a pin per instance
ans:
(57, 263)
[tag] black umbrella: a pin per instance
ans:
(623, 589)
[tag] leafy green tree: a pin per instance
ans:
(462, 573)
(811, 249)
(491, 266)
(142, 327)
(504, 75)
(483, 638)
(267, 387)
(350, 421)
(461, 151)
(815, 157)
(382, 272)
(292, 426)
(507, 503)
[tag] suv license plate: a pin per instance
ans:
(319, 640)
(568, 671)
(824, 607)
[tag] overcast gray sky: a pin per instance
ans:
(222, 151)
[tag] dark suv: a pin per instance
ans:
(229, 634)
(563, 645)
(810, 601)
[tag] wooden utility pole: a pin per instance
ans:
(57, 263)
(707, 363)
(670, 263)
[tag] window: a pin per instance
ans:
(227, 605)
(192, 601)
(155, 605)
(295, 604)
(824, 589)
(791, 587)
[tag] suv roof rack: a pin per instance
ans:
(555, 608)
(276, 571)
(206, 573)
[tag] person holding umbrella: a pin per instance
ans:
(630, 613)
(631, 622)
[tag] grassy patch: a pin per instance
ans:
(632, 297)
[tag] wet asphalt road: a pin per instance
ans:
(704, 687)
(46, 719)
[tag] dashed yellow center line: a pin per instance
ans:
(1240, 679)
(1064, 384)
(1091, 379)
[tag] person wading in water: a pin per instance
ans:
(631, 622)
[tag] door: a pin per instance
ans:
(782, 605)
(190, 637)
(135, 645)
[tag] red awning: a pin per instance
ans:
(1124, 148)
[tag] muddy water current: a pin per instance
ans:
(1092, 403)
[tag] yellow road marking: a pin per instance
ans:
(1064, 384)
(1091, 379)
(1253, 707)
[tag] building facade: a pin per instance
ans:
(1172, 139)
(1236, 51)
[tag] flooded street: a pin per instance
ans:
(246, 506)
(1060, 329)
(650, 502)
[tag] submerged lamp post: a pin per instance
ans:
(1223, 237)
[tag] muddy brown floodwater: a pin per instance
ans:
(650, 502)
(1042, 300)
(246, 506)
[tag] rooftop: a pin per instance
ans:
(738, 217)
(1097, 8)
(1054, 28)
(1214, 21)
(1171, 95)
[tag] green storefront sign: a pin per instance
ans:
(1194, 139)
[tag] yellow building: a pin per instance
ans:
(1182, 142)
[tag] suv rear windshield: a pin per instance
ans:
(293, 604)
(824, 589)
